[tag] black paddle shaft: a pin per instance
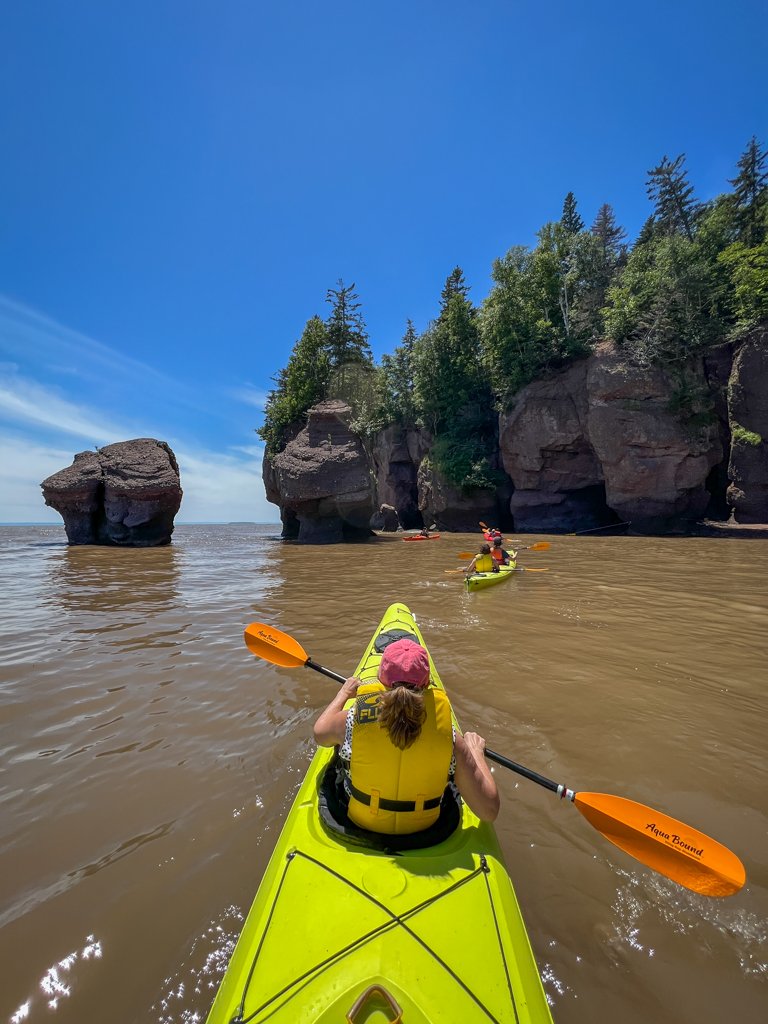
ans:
(325, 671)
(522, 770)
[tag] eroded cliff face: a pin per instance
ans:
(323, 480)
(125, 494)
(589, 447)
(397, 454)
(597, 444)
(748, 414)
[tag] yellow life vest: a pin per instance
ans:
(484, 563)
(398, 791)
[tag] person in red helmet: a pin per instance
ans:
(399, 749)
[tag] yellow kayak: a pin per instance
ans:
(347, 926)
(480, 580)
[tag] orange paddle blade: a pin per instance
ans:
(274, 645)
(670, 847)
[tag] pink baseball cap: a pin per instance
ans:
(404, 661)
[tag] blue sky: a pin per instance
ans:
(182, 181)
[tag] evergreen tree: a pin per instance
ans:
(396, 402)
(750, 193)
(347, 335)
(452, 390)
(454, 285)
(351, 362)
(571, 221)
(300, 385)
(672, 195)
(647, 232)
(610, 235)
(665, 307)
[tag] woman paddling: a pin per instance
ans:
(399, 748)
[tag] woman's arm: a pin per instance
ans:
(471, 567)
(473, 776)
(331, 724)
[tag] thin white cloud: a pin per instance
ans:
(250, 395)
(25, 401)
(255, 451)
(221, 488)
(24, 330)
(25, 464)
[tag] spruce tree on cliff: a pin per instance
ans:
(672, 195)
(453, 395)
(750, 193)
(666, 306)
(610, 235)
(348, 350)
(396, 390)
(571, 220)
(454, 285)
(746, 259)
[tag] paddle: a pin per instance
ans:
(514, 569)
(543, 545)
(670, 847)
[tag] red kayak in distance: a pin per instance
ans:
(434, 536)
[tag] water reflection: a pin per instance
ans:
(107, 580)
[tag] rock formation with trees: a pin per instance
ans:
(597, 382)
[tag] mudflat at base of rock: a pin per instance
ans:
(125, 494)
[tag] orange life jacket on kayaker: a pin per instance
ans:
(398, 791)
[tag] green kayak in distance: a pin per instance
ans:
(348, 926)
(481, 580)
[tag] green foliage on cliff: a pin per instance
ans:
(299, 385)
(332, 359)
(696, 273)
(743, 436)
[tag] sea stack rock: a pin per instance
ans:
(323, 479)
(125, 494)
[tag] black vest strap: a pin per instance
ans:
(390, 805)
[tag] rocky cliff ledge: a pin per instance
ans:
(125, 494)
(599, 443)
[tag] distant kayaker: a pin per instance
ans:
(501, 556)
(482, 562)
(425, 533)
(399, 749)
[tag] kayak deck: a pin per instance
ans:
(339, 932)
(480, 580)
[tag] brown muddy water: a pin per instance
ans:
(147, 760)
